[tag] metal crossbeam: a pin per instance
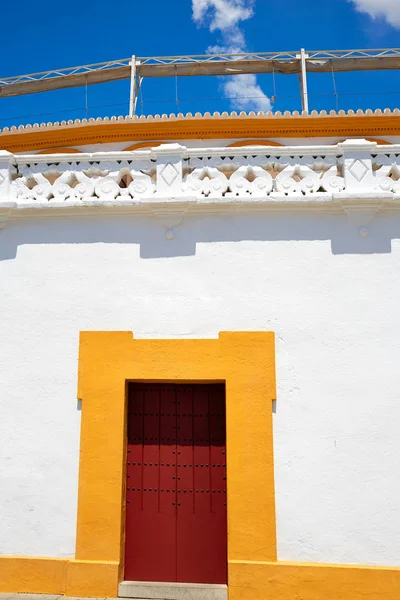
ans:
(287, 63)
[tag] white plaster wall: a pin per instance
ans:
(331, 297)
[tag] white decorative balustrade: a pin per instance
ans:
(82, 179)
(356, 176)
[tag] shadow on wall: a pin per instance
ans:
(150, 234)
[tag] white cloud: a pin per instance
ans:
(245, 94)
(225, 17)
(388, 9)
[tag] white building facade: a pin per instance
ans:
(126, 265)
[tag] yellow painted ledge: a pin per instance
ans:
(36, 575)
(92, 579)
(247, 580)
(32, 575)
(311, 581)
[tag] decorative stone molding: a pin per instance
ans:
(357, 176)
(169, 169)
(361, 210)
(6, 170)
(6, 162)
(357, 159)
(169, 218)
(5, 211)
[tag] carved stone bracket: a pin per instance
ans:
(361, 209)
(5, 211)
(169, 218)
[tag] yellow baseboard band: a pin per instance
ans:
(311, 581)
(19, 574)
(92, 579)
(36, 575)
(248, 580)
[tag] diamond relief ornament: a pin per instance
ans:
(358, 169)
(169, 174)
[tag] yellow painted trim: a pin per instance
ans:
(246, 362)
(92, 579)
(311, 581)
(32, 575)
(204, 128)
(36, 575)
(248, 580)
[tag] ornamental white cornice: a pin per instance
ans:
(171, 182)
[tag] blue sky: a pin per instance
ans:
(43, 35)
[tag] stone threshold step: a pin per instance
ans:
(143, 590)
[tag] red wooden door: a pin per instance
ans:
(176, 527)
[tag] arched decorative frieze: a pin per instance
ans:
(60, 151)
(242, 143)
(142, 145)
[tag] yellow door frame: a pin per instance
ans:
(107, 361)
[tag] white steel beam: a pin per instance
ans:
(303, 80)
(132, 96)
